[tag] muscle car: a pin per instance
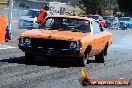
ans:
(67, 36)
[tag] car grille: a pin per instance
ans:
(28, 21)
(49, 43)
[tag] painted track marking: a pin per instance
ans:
(6, 46)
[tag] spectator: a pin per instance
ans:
(42, 14)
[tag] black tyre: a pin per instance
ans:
(29, 58)
(100, 58)
(105, 50)
(83, 60)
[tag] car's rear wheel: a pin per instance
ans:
(105, 50)
(100, 58)
(29, 58)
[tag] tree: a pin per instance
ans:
(74, 2)
(90, 6)
(101, 7)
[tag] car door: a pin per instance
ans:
(98, 37)
(105, 36)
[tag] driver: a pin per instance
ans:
(42, 14)
(57, 23)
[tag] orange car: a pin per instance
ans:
(67, 36)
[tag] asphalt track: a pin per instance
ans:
(15, 73)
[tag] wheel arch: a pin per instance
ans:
(88, 49)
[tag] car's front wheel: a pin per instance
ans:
(83, 60)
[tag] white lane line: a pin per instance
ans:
(6, 47)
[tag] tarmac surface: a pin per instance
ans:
(15, 73)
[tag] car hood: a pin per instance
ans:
(28, 18)
(56, 34)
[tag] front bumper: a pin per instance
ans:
(27, 25)
(51, 51)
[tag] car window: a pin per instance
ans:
(31, 13)
(68, 24)
(111, 18)
(96, 27)
(105, 18)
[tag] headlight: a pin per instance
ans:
(25, 41)
(28, 41)
(125, 24)
(72, 45)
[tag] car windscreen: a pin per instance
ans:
(32, 13)
(111, 18)
(66, 24)
(125, 19)
(94, 17)
(105, 18)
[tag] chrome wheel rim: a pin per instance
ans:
(85, 59)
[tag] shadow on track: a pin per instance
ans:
(54, 62)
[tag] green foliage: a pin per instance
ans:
(102, 7)
(90, 6)
(74, 2)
